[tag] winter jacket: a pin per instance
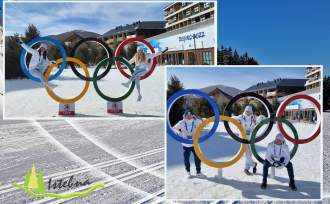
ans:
(37, 61)
(187, 129)
(147, 63)
(275, 152)
(248, 122)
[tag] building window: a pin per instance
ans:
(188, 13)
(180, 58)
(184, 4)
(207, 58)
(191, 56)
(206, 5)
(174, 18)
(196, 9)
(174, 59)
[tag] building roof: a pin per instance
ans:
(230, 91)
(278, 83)
(80, 33)
(145, 25)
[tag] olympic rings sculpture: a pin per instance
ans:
(279, 118)
(108, 62)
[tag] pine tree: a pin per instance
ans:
(174, 85)
(31, 32)
(13, 51)
(83, 53)
(326, 92)
(226, 56)
(203, 108)
(236, 56)
(12, 60)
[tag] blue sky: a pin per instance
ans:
(55, 18)
(277, 32)
(236, 77)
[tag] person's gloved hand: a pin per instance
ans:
(19, 40)
(282, 160)
(276, 164)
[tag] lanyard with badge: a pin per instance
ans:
(248, 131)
(190, 136)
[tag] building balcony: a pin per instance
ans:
(308, 83)
(312, 71)
(192, 16)
(171, 14)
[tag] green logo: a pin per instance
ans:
(35, 187)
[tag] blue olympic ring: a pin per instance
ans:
(35, 41)
(215, 108)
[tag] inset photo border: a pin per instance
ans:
(187, 36)
(227, 182)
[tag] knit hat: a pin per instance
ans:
(186, 112)
(280, 137)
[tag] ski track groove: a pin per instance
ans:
(8, 188)
(96, 167)
(106, 149)
(109, 182)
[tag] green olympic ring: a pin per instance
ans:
(266, 121)
(102, 64)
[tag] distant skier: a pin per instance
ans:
(39, 61)
(142, 62)
(278, 155)
(248, 120)
(187, 128)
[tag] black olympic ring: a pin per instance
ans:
(104, 45)
(265, 102)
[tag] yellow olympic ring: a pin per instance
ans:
(213, 163)
(70, 100)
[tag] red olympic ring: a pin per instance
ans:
(121, 47)
(281, 112)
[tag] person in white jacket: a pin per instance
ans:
(248, 120)
(186, 128)
(278, 155)
(39, 61)
(142, 62)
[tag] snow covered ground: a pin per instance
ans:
(26, 98)
(101, 150)
(108, 152)
(235, 184)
